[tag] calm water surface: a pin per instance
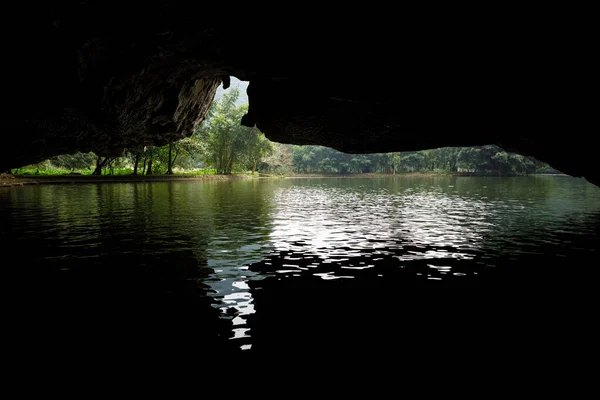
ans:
(294, 263)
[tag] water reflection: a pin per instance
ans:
(333, 223)
(254, 264)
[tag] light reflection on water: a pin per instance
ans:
(236, 243)
(331, 223)
(349, 232)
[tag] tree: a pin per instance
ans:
(191, 152)
(136, 161)
(395, 161)
(412, 161)
(229, 145)
(280, 160)
(150, 155)
(74, 161)
(257, 148)
(360, 163)
(101, 162)
(469, 159)
(304, 157)
(172, 159)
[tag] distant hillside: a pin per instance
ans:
(241, 85)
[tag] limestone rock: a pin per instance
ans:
(88, 77)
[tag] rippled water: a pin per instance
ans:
(253, 264)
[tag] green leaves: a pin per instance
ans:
(229, 146)
(223, 144)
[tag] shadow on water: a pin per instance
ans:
(116, 273)
(300, 267)
(431, 274)
(310, 306)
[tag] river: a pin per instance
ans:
(245, 265)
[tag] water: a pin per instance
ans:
(298, 264)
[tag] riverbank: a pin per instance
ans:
(11, 180)
(7, 180)
(21, 180)
(366, 175)
(400, 174)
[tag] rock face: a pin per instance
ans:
(89, 77)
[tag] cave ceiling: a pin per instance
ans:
(88, 77)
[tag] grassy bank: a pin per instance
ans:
(53, 177)
(7, 180)
(366, 175)
(36, 172)
(21, 180)
(57, 177)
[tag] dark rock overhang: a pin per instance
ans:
(88, 77)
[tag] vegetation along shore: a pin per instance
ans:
(221, 148)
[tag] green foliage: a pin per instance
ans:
(39, 172)
(256, 148)
(229, 145)
(546, 169)
(493, 160)
(118, 171)
(75, 161)
(81, 163)
(280, 161)
(221, 145)
(483, 160)
(201, 171)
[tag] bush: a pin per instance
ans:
(202, 171)
(117, 171)
(546, 169)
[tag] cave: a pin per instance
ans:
(87, 77)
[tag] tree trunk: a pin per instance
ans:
(149, 170)
(175, 158)
(135, 165)
(144, 166)
(110, 165)
(253, 167)
(170, 169)
(99, 164)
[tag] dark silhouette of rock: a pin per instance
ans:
(89, 77)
